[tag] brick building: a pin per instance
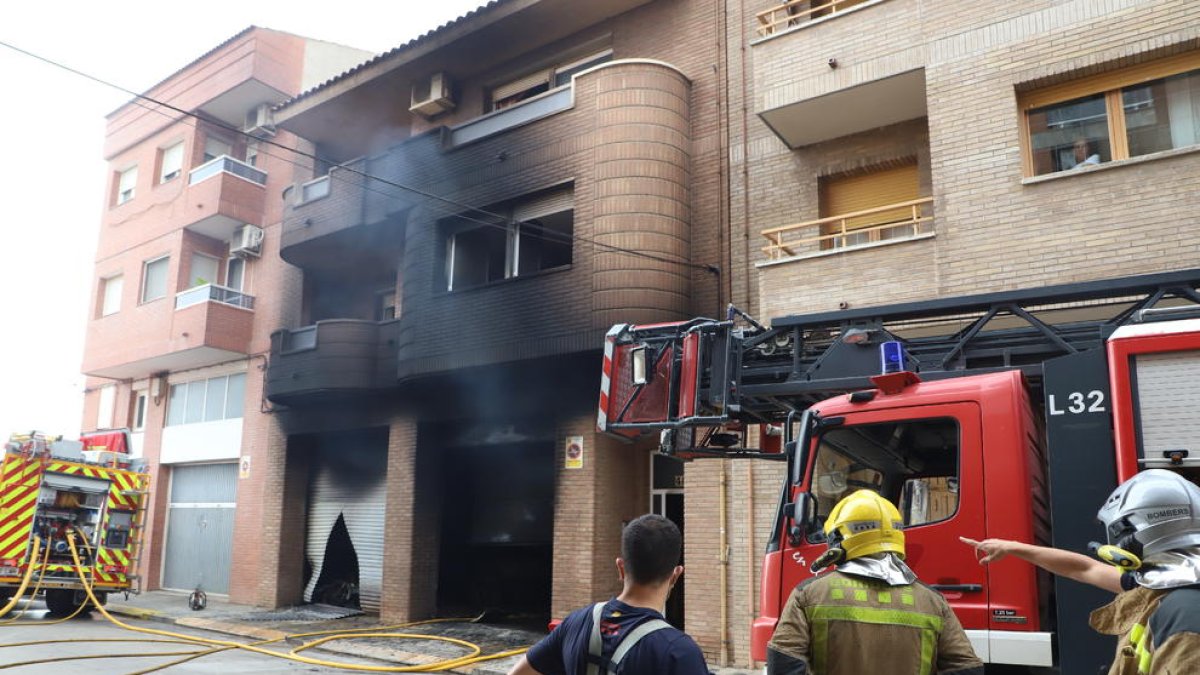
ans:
(189, 286)
(450, 273)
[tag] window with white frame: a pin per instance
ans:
(215, 147)
(171, 162)
(534, 234)
(252, 152)
(235, 273)
(137, 416)
(104, 412)
(204, 270)
(126, 184)
(110, 294)
(543, 79)
(208, 400)
(154, 279)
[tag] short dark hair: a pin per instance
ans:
(651, 546)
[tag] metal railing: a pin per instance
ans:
(227, 164)
(851, 229)
(213, 293)
(796, 12)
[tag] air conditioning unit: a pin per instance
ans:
(247, 242)
(432, 96)
(260, 121)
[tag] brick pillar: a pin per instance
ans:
(411, 541)
(284, 515)
(591, 504)
(153, 539)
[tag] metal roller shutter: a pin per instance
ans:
(1168, 401)
(199, 546)
(861, 191)
(361, 503)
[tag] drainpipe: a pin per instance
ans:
(724, 567)
(751, 587)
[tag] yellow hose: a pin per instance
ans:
(436, 666)
(37, 548)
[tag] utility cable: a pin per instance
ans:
(546, 233)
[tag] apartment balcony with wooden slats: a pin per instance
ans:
(795, 13)
(880, 226)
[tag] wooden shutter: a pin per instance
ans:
(849, 193)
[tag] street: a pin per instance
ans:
(87, 636)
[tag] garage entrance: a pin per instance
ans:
(497, 527)
(199, 544)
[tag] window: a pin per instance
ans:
(137, 417)
(110, 294)
(252, 153)
(869, 190)
(154, 279)
(913, 463)
(172, 162)
(217, 398)
(385, 305)
(543, 80)
(1147, 108)
(537, 236)
(126, 182)
(215, 147)
(235, 274)
(104, 412)
(203, 271)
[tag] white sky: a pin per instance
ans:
(52, 176)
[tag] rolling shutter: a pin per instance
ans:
(554, 201)
(1168, 402)
(849, 193)
(360, 501)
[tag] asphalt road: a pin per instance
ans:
(31, 627)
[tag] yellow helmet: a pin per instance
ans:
(864, 523)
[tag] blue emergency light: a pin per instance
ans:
(891, 357)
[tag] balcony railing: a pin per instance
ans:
(213, 293)
(893, 222)
(227, 164)
(798, 12)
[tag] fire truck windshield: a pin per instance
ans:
(913, 463)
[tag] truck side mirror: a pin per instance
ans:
(802, 513)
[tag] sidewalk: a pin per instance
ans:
(250, 622)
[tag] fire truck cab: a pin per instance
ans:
(1008, 415)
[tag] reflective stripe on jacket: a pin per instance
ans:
(838, 624)
(1159, 631)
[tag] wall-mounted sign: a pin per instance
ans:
(574, 452)
(244, 467)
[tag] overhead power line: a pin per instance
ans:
(157, 106)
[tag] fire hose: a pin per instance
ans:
(475, 654)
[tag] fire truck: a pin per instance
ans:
(49, 488)
(1009, 414)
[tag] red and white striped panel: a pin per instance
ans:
(610, 341)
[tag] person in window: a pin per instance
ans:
(1085, 154)
(1152, 563)
(871, 614)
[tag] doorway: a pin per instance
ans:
(666, 499)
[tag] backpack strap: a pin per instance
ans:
(595, 642)
(632, 638)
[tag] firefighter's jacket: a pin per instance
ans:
(838, 624)
(1159, 631)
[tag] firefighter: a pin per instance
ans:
(1152, 522)
(871, 614)
(628, 634)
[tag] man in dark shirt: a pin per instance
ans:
(632, 637)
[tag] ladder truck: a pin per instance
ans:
(51, 488)
(1009, 414)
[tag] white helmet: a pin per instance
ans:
(1153, 512)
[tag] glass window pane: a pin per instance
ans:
(172, 162)
(235, 273)
(113, 287)
(214, 406)
(203, 271)
(176, 404)
(1163, 114)
(154, 281)
(235, 398)
(195, 403)
(1069, 135)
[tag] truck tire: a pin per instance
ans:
(5, 595)
(64, 601)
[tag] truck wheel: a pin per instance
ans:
(5, 595)
(64, 601)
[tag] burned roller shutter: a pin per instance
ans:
(346, 510)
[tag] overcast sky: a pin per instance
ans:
(52, 177)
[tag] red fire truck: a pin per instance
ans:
(50, 488)
(1009, 414)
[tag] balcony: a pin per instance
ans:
(794, 13)
(869, 228)
(333, 359)
(208, 324)
(223, 194)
